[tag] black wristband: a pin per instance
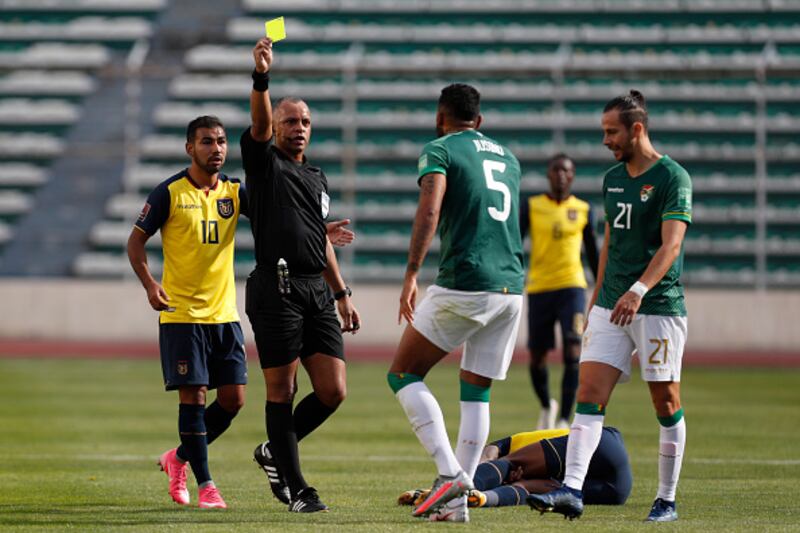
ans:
(260, 81)
(342, 293)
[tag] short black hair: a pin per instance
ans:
(291, 99)
(558, 157)
(206, 121)
(462, 101)
(632, 108)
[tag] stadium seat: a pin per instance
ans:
(371, 71)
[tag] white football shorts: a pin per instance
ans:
(485, 322)
(658, 340)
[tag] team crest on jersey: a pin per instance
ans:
(144, 212)
(646, 192)
(183, 367)
(572, 214)
(225, 207)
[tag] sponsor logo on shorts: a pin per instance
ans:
(145, 211)
(183, 367)
(225, 207)
(646, 192)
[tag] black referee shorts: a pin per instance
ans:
(298, 324)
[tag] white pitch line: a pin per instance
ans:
(127, 458)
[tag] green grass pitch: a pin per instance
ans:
(79, 442)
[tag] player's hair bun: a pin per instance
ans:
(638, 98)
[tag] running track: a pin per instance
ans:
(20, 348)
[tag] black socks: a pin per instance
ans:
(283, 444)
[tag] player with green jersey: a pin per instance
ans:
(637, 305)
(479, 251)
(635, 209)
(469, 188)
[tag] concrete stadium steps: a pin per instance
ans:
(22, 175)
(26, 112)
(212, 87)
(171, 147)
(178, 114)
(223, 58)
(513, 7)
(249, 29)
(80, 7)
(56, 56)
(42, 83)
(31, 146)
(82, 29)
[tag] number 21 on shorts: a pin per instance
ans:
(661, 346)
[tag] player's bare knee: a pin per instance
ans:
(666, 406)
(332, 397)
(232, 404)
(591, 393)
(192, 395)
(281, 392)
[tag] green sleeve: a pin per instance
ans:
(678, 203)
(434, 158)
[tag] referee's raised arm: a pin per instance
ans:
(260, 107)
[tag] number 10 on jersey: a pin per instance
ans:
(210, 229)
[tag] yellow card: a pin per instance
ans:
(275, 29)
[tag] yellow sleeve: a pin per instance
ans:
(520, 440)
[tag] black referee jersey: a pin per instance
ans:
(287, 205)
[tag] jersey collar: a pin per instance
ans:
(198, 187)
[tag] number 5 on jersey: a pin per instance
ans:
(489, 167)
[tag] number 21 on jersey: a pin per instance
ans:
(623, 220)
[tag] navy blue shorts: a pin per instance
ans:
(202, 354)
(609, 479)
(565, 306)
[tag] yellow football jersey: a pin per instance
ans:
(197, 235)
(520, 440)
(556, 231)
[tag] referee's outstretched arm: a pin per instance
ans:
(260, 106)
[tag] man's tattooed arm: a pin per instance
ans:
(431, 193)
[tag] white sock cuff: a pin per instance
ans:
(587, 420)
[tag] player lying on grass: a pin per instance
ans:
(533, 462)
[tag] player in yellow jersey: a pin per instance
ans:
(559, 223)
(201, 341)
(533, 462)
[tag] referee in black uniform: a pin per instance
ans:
(292, 314)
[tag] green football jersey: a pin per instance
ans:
(479, 221)
(635, 208)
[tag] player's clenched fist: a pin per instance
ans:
(262, 54)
